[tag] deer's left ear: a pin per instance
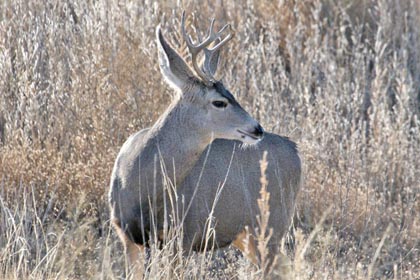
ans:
(173, 67)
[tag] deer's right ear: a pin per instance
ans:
(172, 66)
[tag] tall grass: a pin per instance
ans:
(340, 79)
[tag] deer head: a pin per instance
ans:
(207, 106)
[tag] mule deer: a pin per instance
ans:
(194, 146)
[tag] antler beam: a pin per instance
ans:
(195, 49)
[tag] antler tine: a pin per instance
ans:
(184, 33)
(194, 49)
(225, 40)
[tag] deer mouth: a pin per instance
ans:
(250, 135)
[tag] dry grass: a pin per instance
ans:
(342, 80)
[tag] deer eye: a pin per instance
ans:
(219, 104)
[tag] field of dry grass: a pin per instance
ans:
(341, 80)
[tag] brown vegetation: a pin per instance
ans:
(342, 80)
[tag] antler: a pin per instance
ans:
(205, 73)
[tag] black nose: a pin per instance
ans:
(259, 131)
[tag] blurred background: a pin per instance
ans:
(340, 78)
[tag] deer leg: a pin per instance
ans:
(245, 242)
(279, 265)
(276, 262)
(135, 256)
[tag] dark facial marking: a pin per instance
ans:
(220, 88)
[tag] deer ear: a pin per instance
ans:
(173, 67)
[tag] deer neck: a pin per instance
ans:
(172, 147)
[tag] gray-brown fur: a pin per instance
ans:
(178, 143)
